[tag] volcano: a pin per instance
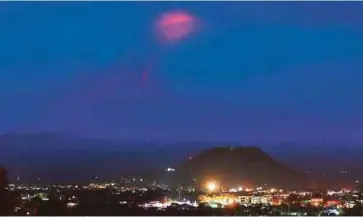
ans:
(240, 166)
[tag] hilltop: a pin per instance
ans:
(249, 166)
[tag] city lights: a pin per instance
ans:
(170, 169)
(215, 197)
(211, 186)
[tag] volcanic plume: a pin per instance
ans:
(175, 25)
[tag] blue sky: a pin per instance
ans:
(273, 70)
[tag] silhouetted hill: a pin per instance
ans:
(61, 157)
(248, 166)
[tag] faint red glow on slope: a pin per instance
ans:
(176, 25)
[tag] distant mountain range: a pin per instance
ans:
(64, 158)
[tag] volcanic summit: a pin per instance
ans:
(248, 166)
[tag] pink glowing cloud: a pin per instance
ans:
(176, 25)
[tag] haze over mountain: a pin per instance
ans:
(65, 158)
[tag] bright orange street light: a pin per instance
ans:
(211, 186)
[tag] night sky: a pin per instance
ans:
(247, 71)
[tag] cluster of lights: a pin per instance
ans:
(212, 186)
(236, 190)
(165, 204)
(170, 169)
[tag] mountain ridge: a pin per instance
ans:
(87, 156)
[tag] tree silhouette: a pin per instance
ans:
(5, 207)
